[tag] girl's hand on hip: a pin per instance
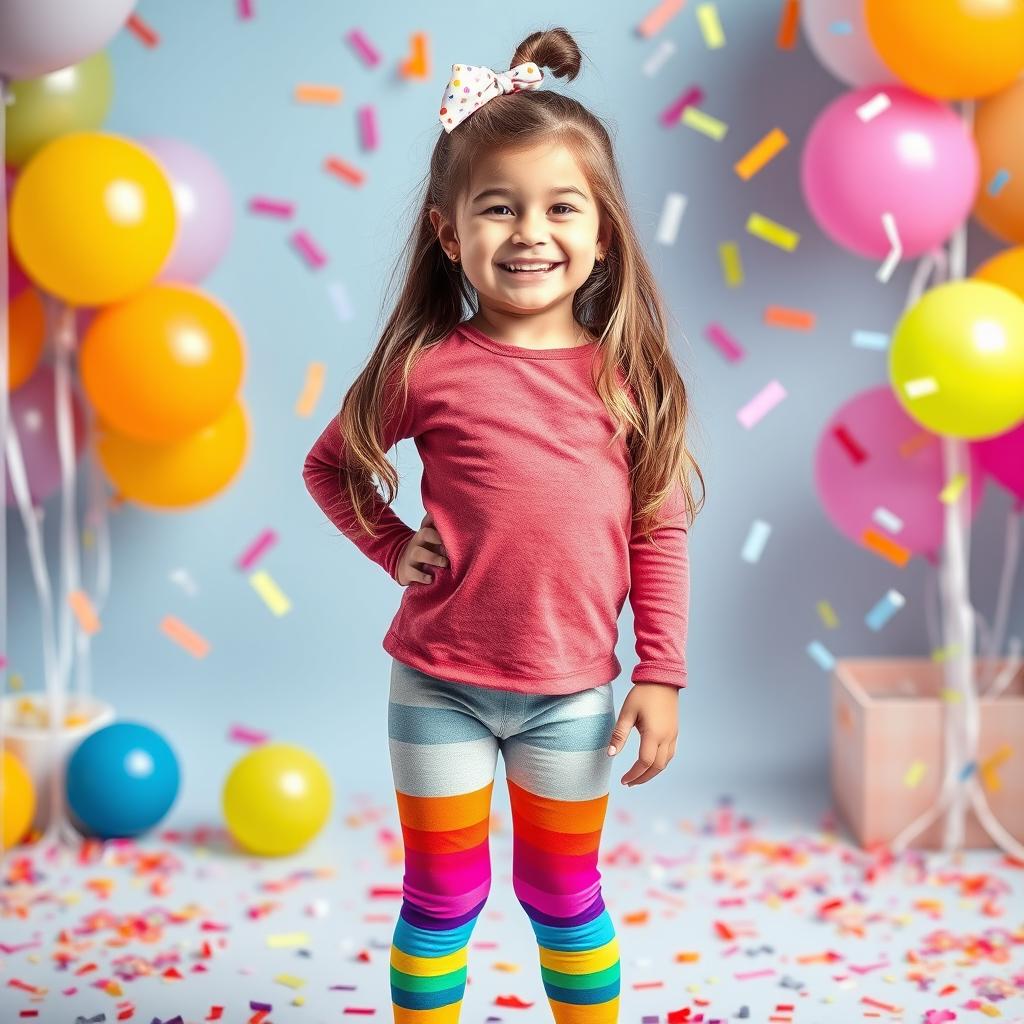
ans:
(653, 708)
(425, 548)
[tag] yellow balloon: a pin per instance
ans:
(949, 49)
(276, 799)
(92, 218)
(1005, 268)
(956, 361)
(178, 473)
(17, 801)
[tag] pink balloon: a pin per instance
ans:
(16, 277)
(858, 468)
(202, 200)
(34, 416)
(1002, 458)
(916, 160)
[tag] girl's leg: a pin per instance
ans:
(443, 756)
(557, 770)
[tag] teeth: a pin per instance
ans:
(528, 268)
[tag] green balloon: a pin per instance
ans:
(71, 99)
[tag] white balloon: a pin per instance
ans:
(40, 36)
(838, 35)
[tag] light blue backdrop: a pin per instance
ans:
(757, 708)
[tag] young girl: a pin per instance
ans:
(556, 479)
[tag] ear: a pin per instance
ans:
(445, 231)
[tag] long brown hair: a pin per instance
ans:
(620, 303)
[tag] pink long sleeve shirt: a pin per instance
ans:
(534, 510)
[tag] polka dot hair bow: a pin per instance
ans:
(472, 86)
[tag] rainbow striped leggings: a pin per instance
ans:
(444, 738)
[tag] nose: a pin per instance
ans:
(528, 232)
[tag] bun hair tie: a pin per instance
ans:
(471, 86)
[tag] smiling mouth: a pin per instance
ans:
(542, 270)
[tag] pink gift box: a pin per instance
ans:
(887, 714)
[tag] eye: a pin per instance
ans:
(502, 206)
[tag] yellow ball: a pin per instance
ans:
(17, 801)
(956, 361)
(276, 799)
(92, 218)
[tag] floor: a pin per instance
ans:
(728, 906)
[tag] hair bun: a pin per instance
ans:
(552, 48)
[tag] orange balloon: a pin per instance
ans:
(92, 217)
(27, 332)
(999, 137)
(162, 363)
(17, 800)
(183, 472)
(949, 49)
(1005, 268)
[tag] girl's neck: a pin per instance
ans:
(530, 331)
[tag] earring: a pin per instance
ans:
(455, 259)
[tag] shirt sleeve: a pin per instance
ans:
(324, 476)
(659, 595)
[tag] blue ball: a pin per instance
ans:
(121, 780)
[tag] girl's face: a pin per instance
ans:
(534, 205)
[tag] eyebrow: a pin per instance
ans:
(499, 191)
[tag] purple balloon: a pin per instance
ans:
(202, 199)
(916, 159)
(34, 416)
(858, 468)
(1002, 458)
(16, 277)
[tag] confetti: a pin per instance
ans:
(363, 47)
(913, 775)
(772, 232)
(340, 300)
(418, 65)
(274, 207)
(895, 252)
(757, 537)
(311, 389)
(659, 17)
(920, 387)
(704, 123)
(367, 126)
(821, 654)
(184, 637)
(886, 548)
(873, 107)
(949, 494)
(320, 94)
(887, 520)
(876, 340)
(84, 611)
(781, 316)
(259, 547)
(827, 615)
(710, 26)
(761, 153)
(264, 585)
(344, 170)
(849, 443)
(724, 342)
(654, 63)
(884, 610)
(998, 182)
(671, 214)
(308, 249)
(732, 267)
(761, 404)
(146, 35)
(785, 37)
(243, 734)
(287, 940)
(672, 114)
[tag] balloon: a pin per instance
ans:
(276, 799)
(92, 218)
(16, 279)
(848, 54)
(1002, 457)
(162, 363)
(33, 414)
(1000, 141)
(39, 36)
(122, 780)
(17, 801)
(27, 330)
(915, 160)
(967, 338)
(1005, 268)
(851, 487)
(203, 203)
(951, 49)
(176, 473)
(70, 99)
